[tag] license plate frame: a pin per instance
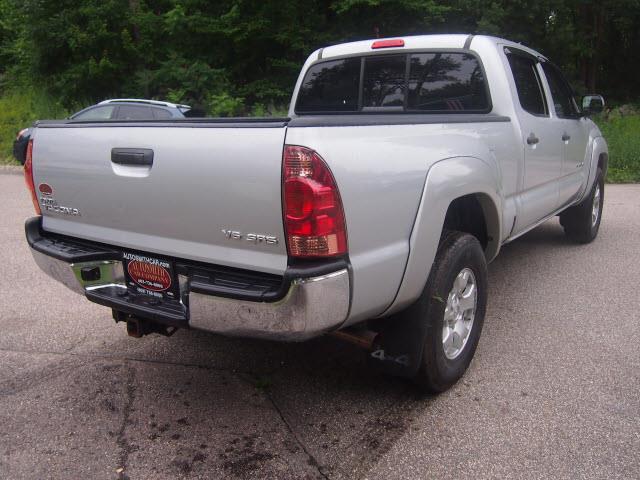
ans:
(150, 275)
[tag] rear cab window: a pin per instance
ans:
(330, 87)
(447, 82)
(421, 82)
(384, 82)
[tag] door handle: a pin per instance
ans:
(132, 156)
(566, 137)
(532, 139)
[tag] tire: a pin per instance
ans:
(580, 221)
(458, 254)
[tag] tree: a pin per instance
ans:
(234, 55)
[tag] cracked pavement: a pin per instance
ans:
(552, 392)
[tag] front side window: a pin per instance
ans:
(528, 84)
(429, 82)
(563, 101)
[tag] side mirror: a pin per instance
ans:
(592, 104)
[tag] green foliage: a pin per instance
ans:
(248, 52)
(224, 105)
(241, 57)
(82, 50)
(623, 137)
(19, 109)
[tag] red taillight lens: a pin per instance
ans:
(28, 177)
(313, 213)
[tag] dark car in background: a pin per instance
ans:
(20, 144)
(114, 109)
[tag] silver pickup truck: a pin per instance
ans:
(371, 211)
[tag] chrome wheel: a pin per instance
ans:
(459, 313)
(595, 209)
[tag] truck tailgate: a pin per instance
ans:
(211, 194)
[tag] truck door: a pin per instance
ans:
(574, 135)
(542, 144)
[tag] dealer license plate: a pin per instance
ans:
(150, 275)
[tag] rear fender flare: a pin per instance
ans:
(446, 181)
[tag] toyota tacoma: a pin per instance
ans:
(371, 211)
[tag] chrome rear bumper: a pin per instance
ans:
(68, 274)
(310, 307)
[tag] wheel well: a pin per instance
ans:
(475, 214)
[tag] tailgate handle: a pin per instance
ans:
(132, 156)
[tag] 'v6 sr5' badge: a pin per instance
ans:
(254, 238)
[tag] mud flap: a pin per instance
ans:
(397, 350)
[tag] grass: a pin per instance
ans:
(623, 137)
(20, 108)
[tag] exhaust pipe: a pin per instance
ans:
(361, 338)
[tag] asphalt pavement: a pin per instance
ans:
(553, 391)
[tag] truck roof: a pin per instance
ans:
(460, 40)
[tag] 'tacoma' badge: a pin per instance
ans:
(49, 204)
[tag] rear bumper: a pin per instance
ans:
(311, 301)
(311, 307)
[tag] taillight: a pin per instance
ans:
(313, 214)
(28, 177)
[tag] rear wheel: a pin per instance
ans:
(453, 305)
(582, 222)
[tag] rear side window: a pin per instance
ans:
(161, 114)
(98, 113)
(563, 101)
(430, 82)
(330, 87)
(134, 112)
(528, 86)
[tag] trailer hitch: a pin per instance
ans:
(139, 327)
